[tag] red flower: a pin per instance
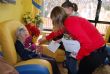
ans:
(33, 30)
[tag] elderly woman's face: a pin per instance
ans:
(24, 34)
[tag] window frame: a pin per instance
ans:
(97, 15)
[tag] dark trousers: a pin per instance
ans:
(71, 64)
(89, 63)
(108, 55)
(53, 63)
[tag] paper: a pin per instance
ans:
(72, 46)
(53, 46)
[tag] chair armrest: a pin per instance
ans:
(59, 55)
(108, 44)
(36, 61)
(1, 54)
(32, 69)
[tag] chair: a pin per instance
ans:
(59, 55)
(0, 49)
(107, 35)
(7, 39)
(32, 69)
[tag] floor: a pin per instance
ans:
(100, 70)
(62, 69)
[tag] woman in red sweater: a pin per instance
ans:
(92, 52)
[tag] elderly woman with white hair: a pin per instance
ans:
(27, 50)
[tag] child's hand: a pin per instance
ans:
(58, 41)
(41, 40)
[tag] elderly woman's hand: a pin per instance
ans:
(39, 49)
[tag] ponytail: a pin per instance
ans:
(75, 7)
(68, 4)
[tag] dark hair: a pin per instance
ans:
(67, 4)
(58, 17)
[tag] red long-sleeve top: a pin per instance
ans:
(82, 30)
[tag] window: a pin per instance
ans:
(105, 11)
(48, 6)
(104, 16)
(86, 8)
(102, 28)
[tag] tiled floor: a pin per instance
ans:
(100, 70)
(62, 69)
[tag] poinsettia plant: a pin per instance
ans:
(27, 18)
(38, 19)
(32, 24)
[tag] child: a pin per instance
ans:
(92, 51)
(70, 8)
(25, 51)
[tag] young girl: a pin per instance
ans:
(92, 51)
(25, 50)
(70, 8)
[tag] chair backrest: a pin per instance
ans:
(107, 35)
(7, 39)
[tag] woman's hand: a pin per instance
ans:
(41, 40)
(58, 41)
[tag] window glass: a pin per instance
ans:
(86, 8)
(102, 28)
(49, 5)
(105, 11)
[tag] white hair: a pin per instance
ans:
(20, 30)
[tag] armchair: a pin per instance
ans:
(107, 35)
(7, 39)
(59, 55)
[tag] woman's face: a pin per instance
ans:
(24, 34)
(68, 10)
